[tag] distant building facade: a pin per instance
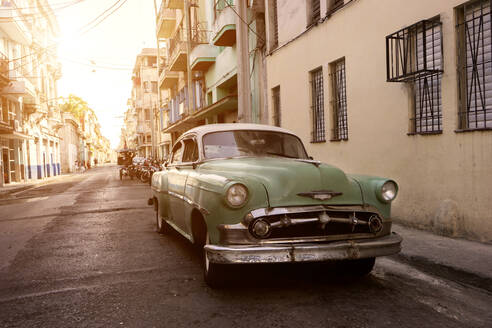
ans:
(30, 117)
(209, 49)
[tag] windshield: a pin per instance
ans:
(252, 143)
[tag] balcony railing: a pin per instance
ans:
(220, 5)
(200, 35)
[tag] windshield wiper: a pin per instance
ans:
(278, 154)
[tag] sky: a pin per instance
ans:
(97, 66)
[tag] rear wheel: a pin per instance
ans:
(161, 225)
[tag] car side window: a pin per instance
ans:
(177, 153)
(190, 153)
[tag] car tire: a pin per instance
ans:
(161, 225)
(213, 273)
(360, 267)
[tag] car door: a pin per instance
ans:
(186, 168)
(175, 184)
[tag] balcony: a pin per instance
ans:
(4, 70)
(224, 31)
(168, 78)
(16, 29)
(203, 54)
(165, 22)
(178, 59)
(173, 4)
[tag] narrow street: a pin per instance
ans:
(83, 252)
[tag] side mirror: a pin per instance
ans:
(311, 158)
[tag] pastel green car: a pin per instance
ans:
(249, 193)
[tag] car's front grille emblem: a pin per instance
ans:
(320, 194)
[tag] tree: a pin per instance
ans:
(75, 105)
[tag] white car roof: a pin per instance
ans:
(204, 129)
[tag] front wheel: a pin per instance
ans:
(213, 273)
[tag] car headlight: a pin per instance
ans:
(236, 195)
(388, 191)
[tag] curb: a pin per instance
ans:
(449, 272)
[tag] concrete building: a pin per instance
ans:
(144, 101)
(393, 88)
(214, 71)
(30, 117)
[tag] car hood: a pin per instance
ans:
(284, 179)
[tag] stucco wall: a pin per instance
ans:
(445, 180)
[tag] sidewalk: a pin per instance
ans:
(10, 190)
(462, 260)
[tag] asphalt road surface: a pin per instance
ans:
(83, 252)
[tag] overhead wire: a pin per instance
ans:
(83, 30)
(28, 17)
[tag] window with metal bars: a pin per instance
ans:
(276, 105)
(475, 65)
(427, 114)
(339, 101)
(317, 106)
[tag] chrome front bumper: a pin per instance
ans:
(312, 252)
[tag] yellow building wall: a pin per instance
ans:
(445, 180)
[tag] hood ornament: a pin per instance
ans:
(320, 194)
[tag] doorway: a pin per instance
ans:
(6, 165)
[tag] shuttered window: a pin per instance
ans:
(475, 66)
(317, 106)
(427, 116)
(275, 24)
(315, 11)
(334, 5)
(339, 101)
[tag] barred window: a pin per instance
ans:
(427, 109)
(475, 65)
(276, 105)
(339, 100)
(317, 106)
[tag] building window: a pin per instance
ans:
(427, 109)
(276, 105)
(474, 65)
(275, 23)
(414, 55)
(317, 106)
(314, 12)
(334, 5)
(339, 100)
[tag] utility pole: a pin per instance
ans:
(158, 65)
(188, 52)
(243, 82)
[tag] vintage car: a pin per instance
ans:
(249, 193)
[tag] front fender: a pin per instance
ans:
(206, 192)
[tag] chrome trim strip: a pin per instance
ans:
(259, 212)
(341, 250)
(204, 211)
